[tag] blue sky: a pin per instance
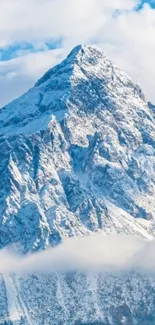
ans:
(17, 49)
(150, 2)
(35, 35)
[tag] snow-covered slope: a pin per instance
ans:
(78, 299)
(77, 155)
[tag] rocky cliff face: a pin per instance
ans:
(77, 156)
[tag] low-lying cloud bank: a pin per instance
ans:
(91, 253)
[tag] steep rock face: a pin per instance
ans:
(77, 155)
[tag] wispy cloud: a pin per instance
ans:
(97, 253)
(23, 48)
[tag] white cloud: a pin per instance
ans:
(128, 38)
(31, 20)
(97, 253)
(18, 75)
(130, 42)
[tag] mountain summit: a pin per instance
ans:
(85, 67)
(77, 155)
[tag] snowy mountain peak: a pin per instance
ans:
(85, 51)
(77, 155)
(86, 72)
(79, 55)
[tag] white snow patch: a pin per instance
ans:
(14, 309)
